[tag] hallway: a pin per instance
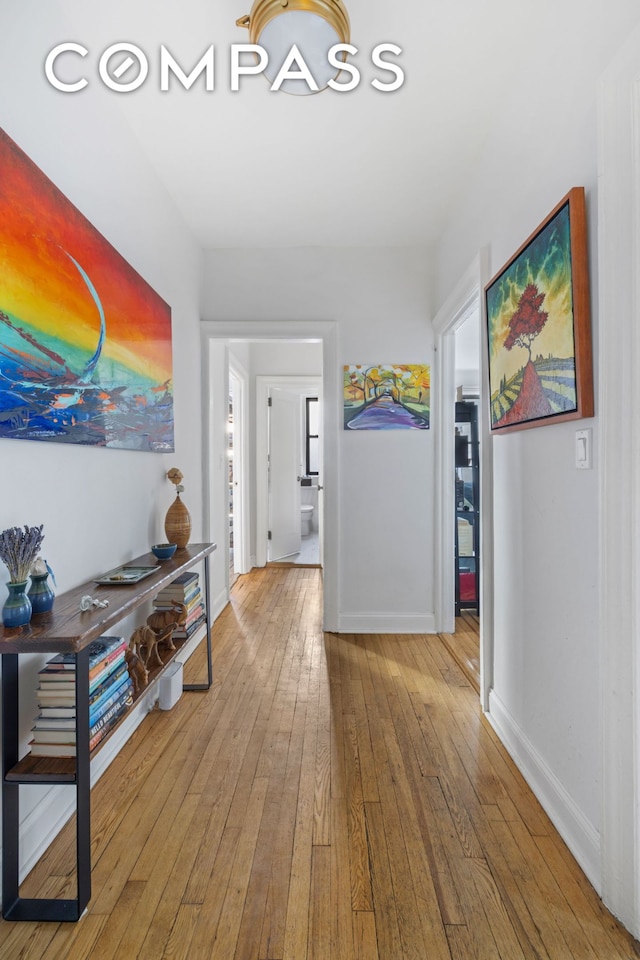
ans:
(332, 797)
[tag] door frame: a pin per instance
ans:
(263, 385)
(466, 296)
(325, 331)
(618, 478)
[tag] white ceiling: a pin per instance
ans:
(257, 168)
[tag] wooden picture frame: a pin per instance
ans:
(539, 302)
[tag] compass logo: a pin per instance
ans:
(124, 67)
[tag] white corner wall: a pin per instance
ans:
(546, 699)
(99, 507)
(380, 300)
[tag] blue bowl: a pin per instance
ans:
(163, 550)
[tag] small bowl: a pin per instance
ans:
(163, 550)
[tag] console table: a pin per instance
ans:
(69, 630)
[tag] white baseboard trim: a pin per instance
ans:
(47, 818)
(579, 834)
(386, 623)
(218, 604)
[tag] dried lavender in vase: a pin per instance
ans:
(18, 549)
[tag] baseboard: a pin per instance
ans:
(579, 834)
(386, 623)
(218, 604)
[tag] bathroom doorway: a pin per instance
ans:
(291, 468)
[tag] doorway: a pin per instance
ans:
(467, 470)
(290, 491)
(218, 338)
(464, 301)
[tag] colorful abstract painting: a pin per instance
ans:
(538, 326)
(386, 396)
(85, 343)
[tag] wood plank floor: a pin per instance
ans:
(464, 646)
(332, 797)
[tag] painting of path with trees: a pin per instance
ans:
(386, 396)
(531, 321)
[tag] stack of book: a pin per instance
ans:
(184, 589)
(110, 695)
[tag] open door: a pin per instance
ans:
(284, 474)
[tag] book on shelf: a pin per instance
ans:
(66, 735)
(108, 698)
(101, 650)
(118, 707)
(61, 692)
(44, 722)
(180, 588)
(64, 731)
(61, 685)
(53, 749)
(67, 698)
(189, 602)
(62, 743)
(195, 614)
(191, 629)
(57, 713)
(66, 679)
(107, 728)
(182, 580)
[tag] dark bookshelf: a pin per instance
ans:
(467, 495)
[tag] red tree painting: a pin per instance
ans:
(528, 320)
(525, 325)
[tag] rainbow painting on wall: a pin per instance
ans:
(85, 342)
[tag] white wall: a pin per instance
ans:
(380, 300)
(279, 359)
(547, 682)
(99, 507)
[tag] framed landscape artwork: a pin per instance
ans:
(386, 396)
(539, 332)
(85, 342)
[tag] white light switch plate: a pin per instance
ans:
(584, 449)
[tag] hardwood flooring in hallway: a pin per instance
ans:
(330, 798)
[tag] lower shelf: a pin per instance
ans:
(43, 770)
(62, 770)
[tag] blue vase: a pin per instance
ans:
(41, 593)
(17, 609)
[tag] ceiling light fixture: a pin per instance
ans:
(314, 26)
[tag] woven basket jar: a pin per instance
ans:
(177, 523)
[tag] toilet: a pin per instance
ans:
(306, 513)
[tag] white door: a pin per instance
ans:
(284, 474)
(237, 446)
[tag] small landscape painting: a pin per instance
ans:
(538, 325)
(386, 396)
(85, 342)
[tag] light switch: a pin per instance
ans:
(584, 445)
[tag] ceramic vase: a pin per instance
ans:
(17, 608)
(177, 523)
(40, 593)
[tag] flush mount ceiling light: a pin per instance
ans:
(314, 26)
